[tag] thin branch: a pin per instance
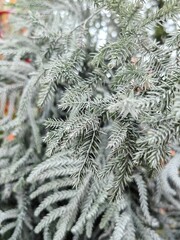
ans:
(83, 23)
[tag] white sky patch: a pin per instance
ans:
(102, 38)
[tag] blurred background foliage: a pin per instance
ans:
(102, 29)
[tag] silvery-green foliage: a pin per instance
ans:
(87, 125)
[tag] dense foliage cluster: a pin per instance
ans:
(89, 111)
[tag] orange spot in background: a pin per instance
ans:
(4, 15)
(6, 109)
(13, 1)
(1, 55)
(10, 137)
(172, 153)
(23, 30)
(162, 211)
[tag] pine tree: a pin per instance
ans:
(87, 124)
